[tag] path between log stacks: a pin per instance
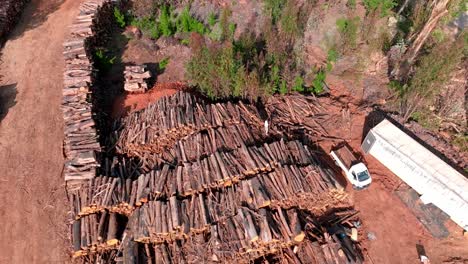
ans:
(33, 203)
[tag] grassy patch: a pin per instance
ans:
(120, 17)
(319, 80)
(212, 19)
(461, 141)
(187, 23)
(163, 64)
(251, 66)
(168, 23)
(432, 72)
(298, 84)
(290, 19)
(332, 57)
(104, 60)
(351, 4)
(274, 9)
(348, 29)
(382, 7)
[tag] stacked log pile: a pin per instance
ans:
(175, 219)
(10, 13)
(202, 144)
(96, 233)
(81, 139)
(107, 257)
(327, 252)
(136, 77)
(287, 186)
(163, 123)
(297, 114)
(284, 169)
(245, 237)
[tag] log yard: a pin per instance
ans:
(247, 131)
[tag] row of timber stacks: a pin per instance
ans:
(81, 139)
(10, 13)
(136, 78)
(193, 181)
(245, 236)
(221, 197)
(286, 180)
(183, 127)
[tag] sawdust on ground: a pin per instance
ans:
(33, 209)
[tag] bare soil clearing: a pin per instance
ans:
(128, 103)
(396, 228)
(34, 206)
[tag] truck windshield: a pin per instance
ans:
(363, 176)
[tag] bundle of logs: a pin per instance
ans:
(297, 114)
(10, 13)
(136, 77)
(174, 219)
(81, 139)
(204, 143)
(287, 186)
(281, 169)
(196, 251)
(159, 126)
(245, 236)
(97, 233)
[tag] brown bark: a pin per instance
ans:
(439, 9)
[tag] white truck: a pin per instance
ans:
(354, 169)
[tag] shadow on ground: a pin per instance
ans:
(7, 99)
(34, 15)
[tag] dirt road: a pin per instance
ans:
(33, 203)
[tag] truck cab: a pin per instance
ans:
(356, 172)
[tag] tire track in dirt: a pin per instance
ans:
(33, 204)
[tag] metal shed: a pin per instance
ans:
(435, 180)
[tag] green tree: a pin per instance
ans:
(211, 19)
(298, 84)
(283, 87)
(431, 73)
(348, 29)
(274, 9)
(383, 7)
(165, 23)
(119, 17)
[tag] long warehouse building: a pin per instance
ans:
(435, 180)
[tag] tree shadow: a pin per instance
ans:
(7, 99)
(34, 15)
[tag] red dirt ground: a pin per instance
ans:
(396, 228)
(128, 103)
(33, 204)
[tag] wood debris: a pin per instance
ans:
(297, 114)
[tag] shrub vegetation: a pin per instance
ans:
(348, 29)
(382, 7)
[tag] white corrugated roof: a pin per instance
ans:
(430, 176)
